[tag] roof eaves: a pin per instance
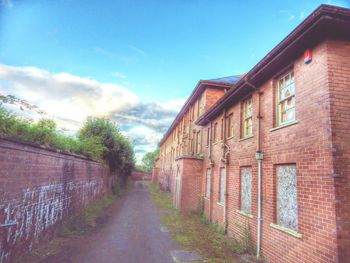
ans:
(323, 12)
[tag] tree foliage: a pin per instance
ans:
(148, 160)
(45, 133)
(118, 153)
(98, 139)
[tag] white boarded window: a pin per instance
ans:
(287, 204)
(246, 190)
(222, 185)
(207, 193)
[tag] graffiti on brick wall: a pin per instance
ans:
(40, 208)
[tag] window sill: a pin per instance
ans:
(287, 230)
(220, 204)
(283, 126)
(244, 214)
(246, 138)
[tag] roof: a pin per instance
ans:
(219, 83)
(325, 22)
(230, 79)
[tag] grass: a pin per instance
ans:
(88, 218)
(193, 232)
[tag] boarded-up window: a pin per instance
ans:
(207, 193)
(222, 185)
(287, 204)
(246, 190)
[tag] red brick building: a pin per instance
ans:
(268, 153)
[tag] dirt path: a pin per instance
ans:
(132, 235)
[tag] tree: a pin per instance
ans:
(119, 152)
(148, 161)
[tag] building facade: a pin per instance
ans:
(273, 155)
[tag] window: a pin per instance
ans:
(208, 136)
(287, 205)
(229, 125)
(215, 132)
(222, 185)
(207, 193)
(222, 129)
(246, 190)
(199, 142)
(285, 99)
(247, 118)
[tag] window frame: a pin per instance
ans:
(245, 119)
(229, 125)
(208, 136)
(279, 101)
(215, 133)
(198, 142)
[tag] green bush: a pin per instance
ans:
(98, 139)
(45, 133)
(118, 151)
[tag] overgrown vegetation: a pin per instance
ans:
(88, 218)
(118, 151)
(193, 232)
(147, 161)
(45, 133)
(98, 139)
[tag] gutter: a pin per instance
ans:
(321, 14)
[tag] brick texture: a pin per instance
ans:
(38, 189)
(318, 144)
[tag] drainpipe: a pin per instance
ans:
(211, 174)
(225, 159)
(259, 156)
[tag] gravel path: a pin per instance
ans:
(133, 235)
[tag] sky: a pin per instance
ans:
(134, 61)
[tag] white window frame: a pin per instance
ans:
(282, 84)
(247, 129)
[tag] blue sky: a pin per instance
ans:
(150, 53)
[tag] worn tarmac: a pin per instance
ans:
(133, 234)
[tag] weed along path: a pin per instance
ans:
(133, 234)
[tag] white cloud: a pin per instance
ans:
(65, 95)
(69, 99)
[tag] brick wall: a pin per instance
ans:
(308, 145)
(190, 170)
(39, 188)
(318, 144)
(137, 176)
(339, 85)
